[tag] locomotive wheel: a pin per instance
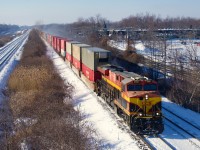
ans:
(108, 100)
(97, 88)
(116, 109)
(127, 120)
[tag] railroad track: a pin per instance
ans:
(7, 52)
(183, 127)
(10, 44)
(192, 141)
(183, 124)
(167, 143)
(195, 126)
(175, 124)
(158, 142)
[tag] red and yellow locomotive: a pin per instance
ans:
(135, 98)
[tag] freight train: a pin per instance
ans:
(133, 97)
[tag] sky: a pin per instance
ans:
(30, 12)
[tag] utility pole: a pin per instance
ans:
(165, 63)
(127, 39)
(194, 91)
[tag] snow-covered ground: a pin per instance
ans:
(179, 139)
(103, 119)
(183, 46)
(121, 45)
(180, 48)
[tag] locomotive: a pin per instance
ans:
(133, 97)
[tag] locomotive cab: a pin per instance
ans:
(143, 105)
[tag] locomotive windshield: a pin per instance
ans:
(134, 87)
(150, 87)
(146, 87)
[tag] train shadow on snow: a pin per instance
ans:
(77, 100)
(174, 133)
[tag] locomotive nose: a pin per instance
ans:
(145, 97)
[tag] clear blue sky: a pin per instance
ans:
(28, 12)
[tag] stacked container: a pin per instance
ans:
(77, 55)
(93, 57)
(58, 44)
(63, 47)
(69, 50)
(54, 42)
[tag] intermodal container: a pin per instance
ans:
(58, 46)
(77, 53)
(77, 50)
(54, 42)
(69, 50)
(93, 57)
(90, 74)
(76, 63)
(63, 47)
(68, 57)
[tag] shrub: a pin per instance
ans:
(37, 95)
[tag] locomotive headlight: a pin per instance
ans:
(146, 97)
(140, 114)
(157, 114)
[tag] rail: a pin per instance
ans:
(7, 51)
